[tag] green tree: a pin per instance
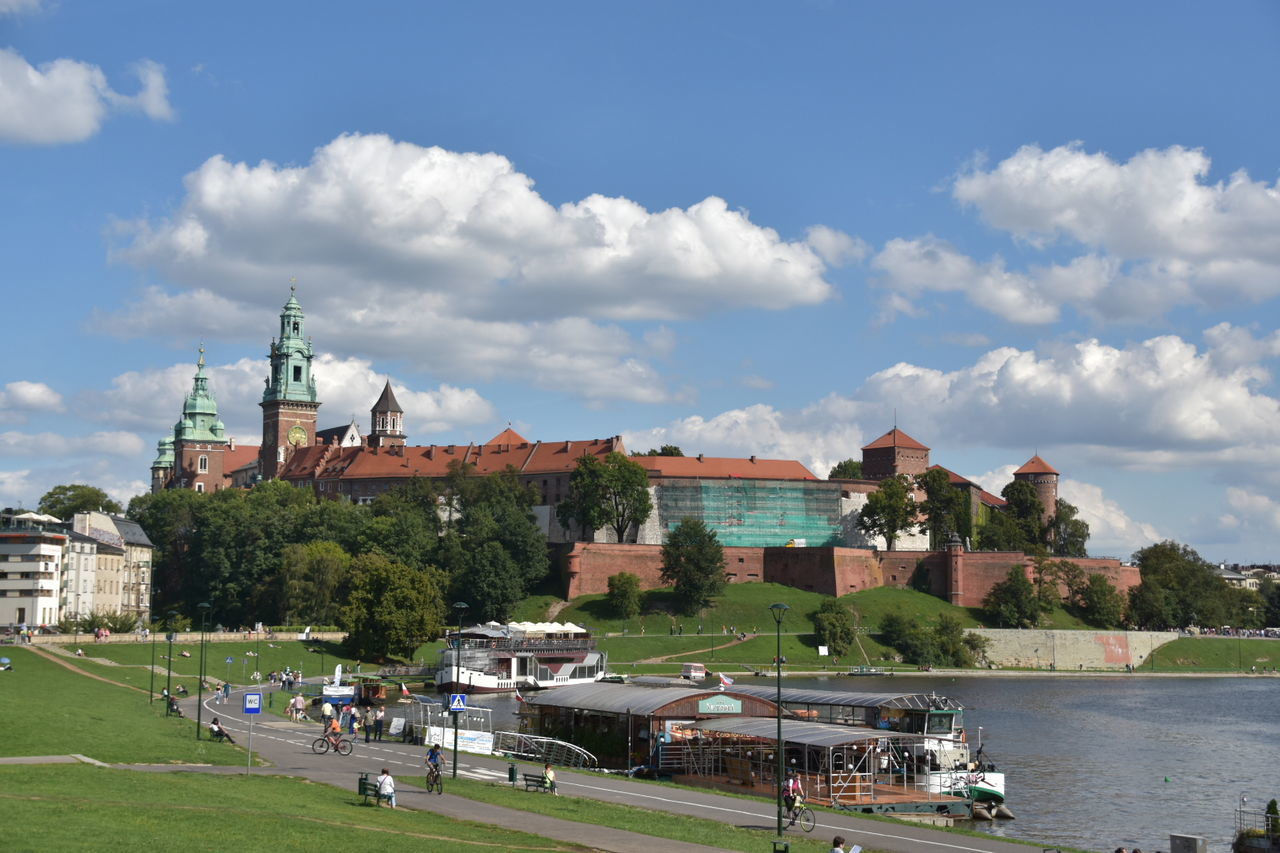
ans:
(1012, 603)
(889, 510)
(693, 561)
(1100, 604)
(1151, 607)
(489, 582)
(314, 578)
(847, 469)
(392, 609)
(624, 595)
(1067, 535)
(664, 450)
(914, 641)
(1270, 592)
(835, 628)
(1196, 593)
(945, 509)
(610, 493)
(62, 502)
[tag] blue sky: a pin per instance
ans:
(743, 228)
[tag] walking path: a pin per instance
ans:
(288, 747)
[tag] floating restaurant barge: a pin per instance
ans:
(727, 739)
(498, 658)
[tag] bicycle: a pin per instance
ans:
(435, 781)
(802, 815)
(324, 743)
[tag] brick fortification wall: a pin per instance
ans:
(963, 578)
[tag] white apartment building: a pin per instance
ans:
(79, 575)
(30, 573)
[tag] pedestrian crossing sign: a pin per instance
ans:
(457, 701)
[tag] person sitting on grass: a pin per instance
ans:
(218, 732)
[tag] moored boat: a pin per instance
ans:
(502, 658)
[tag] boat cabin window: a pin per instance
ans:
(940, 724)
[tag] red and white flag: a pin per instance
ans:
(404, 688)
(519, 698)
(725, 680)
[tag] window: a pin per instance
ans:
(297, 373)
(199, 487)
(203, 465)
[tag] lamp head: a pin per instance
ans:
(778, 610)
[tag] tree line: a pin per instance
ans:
(388, 572)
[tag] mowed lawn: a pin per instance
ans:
(79, 807)
(72, 713)
(246, 657)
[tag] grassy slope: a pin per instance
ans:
(1214, 654)
(60, 807)
(103, 721)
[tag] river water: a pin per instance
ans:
(1098, 763)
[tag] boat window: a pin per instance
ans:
(939, 724)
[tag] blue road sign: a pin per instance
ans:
(457, 701)
(253, 703)
(230, 659)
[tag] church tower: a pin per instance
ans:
(162, 467)
(289, 404)
(386, 424)
(199, 439)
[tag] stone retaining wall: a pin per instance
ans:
(1062, 650)
(86, 640)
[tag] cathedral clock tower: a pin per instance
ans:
(289, 402)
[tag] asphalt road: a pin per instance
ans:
(288, 747)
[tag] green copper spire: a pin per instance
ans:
(164, 453)
(200, 412)
(290, 357)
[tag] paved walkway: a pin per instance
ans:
(288, 747)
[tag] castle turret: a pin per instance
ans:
(895, 452)
(1044, 478)
(199, 439)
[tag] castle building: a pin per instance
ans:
(289, 404)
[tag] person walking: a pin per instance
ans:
(366, 722)
(386, 789)
(378, 720)
(326, 712)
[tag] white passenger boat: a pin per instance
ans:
(498, 658)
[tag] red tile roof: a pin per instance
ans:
(240, 456)
(724, 467)
(508, 436)
(434, 460)
(983, 495)
(1036, 465)
(895, 438)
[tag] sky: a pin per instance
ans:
(745, 228)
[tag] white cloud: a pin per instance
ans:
(152, 400)
(819, 435)
(67, 101)
(17, 489)
(1156, 235)
(53, 445)
(21, 399)
(453, 259)
(18, 7)
(1112, 532)
(836, 247)
(1251, 512)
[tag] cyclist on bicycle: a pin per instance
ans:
(333, 733)
(792, 795)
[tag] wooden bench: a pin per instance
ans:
(367, 788)
(535, 782)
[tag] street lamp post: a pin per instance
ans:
(168, 675)
(460, 607)
(203, 607)
(151, 691)
(778, 611)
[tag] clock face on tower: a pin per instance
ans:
(297, 436)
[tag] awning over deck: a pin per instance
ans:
(801, 732)
(790, 695)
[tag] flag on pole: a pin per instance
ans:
(519, 698)
(725, 680)
(404, 688)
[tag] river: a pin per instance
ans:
(1097, 763)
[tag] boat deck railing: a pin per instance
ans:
(542, 749)
(504, 644)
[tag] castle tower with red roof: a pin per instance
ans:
(895, 452)
(1041, 474)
